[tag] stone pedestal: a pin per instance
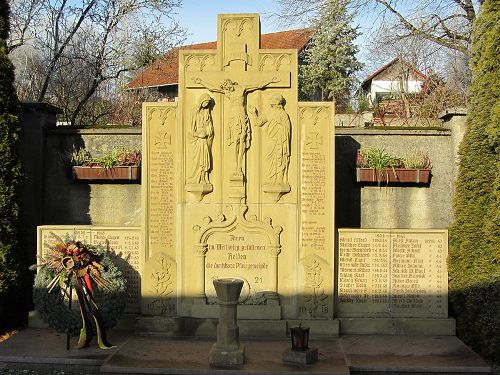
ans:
(305, 357)
(227, 351)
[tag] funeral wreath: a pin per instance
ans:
(99, 285)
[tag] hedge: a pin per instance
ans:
(10, 178)
(474, 259)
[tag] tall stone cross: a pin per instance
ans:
(231, 75)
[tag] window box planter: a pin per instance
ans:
(128, 173)
(396, 175)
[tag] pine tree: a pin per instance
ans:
(474, 260)
(330, 62)
(10, 177)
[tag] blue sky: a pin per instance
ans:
(199, 17)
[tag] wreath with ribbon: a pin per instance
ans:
(99, 285)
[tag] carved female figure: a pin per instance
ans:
(202, 135)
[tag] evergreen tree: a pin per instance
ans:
(330, 62)
(10, 177)
(474, 259)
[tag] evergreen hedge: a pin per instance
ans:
(474, 259)
(10, 178)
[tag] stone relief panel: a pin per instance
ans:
(239, 41)
(237, 126)
(159, 286)
(237, 246)
(315, 298)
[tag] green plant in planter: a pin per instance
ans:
(377, 158)
(116, 158)
(80, 157)
(382, 162)
(417, 160)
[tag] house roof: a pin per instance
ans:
(165, 70)
(380, 70)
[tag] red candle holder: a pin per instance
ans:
(300, 338)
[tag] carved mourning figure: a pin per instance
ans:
(238, 127)
(202, 135)
(278, 131)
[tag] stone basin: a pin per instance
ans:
(228, 289)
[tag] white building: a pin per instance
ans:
(390, 80)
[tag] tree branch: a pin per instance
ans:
(60, 50)
(417, 31)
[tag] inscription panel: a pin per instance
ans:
(124, 241)
(160, 195)
(316, 210)
(399, 273)
(242, 255)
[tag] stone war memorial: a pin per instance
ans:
(238, 183)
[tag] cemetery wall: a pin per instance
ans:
(416, 206)
(427, 206)
(73, 202)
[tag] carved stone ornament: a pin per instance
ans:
(238, 223)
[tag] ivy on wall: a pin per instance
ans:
(474, 260)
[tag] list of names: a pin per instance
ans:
(392, 273)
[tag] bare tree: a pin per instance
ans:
(86, 46)
(444, 22)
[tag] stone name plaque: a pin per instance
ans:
(393, 273)
(124, 241)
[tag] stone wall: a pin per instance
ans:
(426, 206)
(73, 202)
(429, 206)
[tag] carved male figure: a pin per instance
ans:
(202, 135)
(239, 133)
(278, 139)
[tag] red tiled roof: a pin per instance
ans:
(165, 71)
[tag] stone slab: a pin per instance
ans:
(43, 346)
(351, 354)
(305, 357)
(380, 354)
(397, 326)
(156, 355)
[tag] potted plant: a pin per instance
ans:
(120, 165)
(376, 165)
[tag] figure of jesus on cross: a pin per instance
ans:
(238, 125)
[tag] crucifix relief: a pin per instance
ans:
(238, 125)
(236, 86)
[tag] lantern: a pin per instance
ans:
(300, 338)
